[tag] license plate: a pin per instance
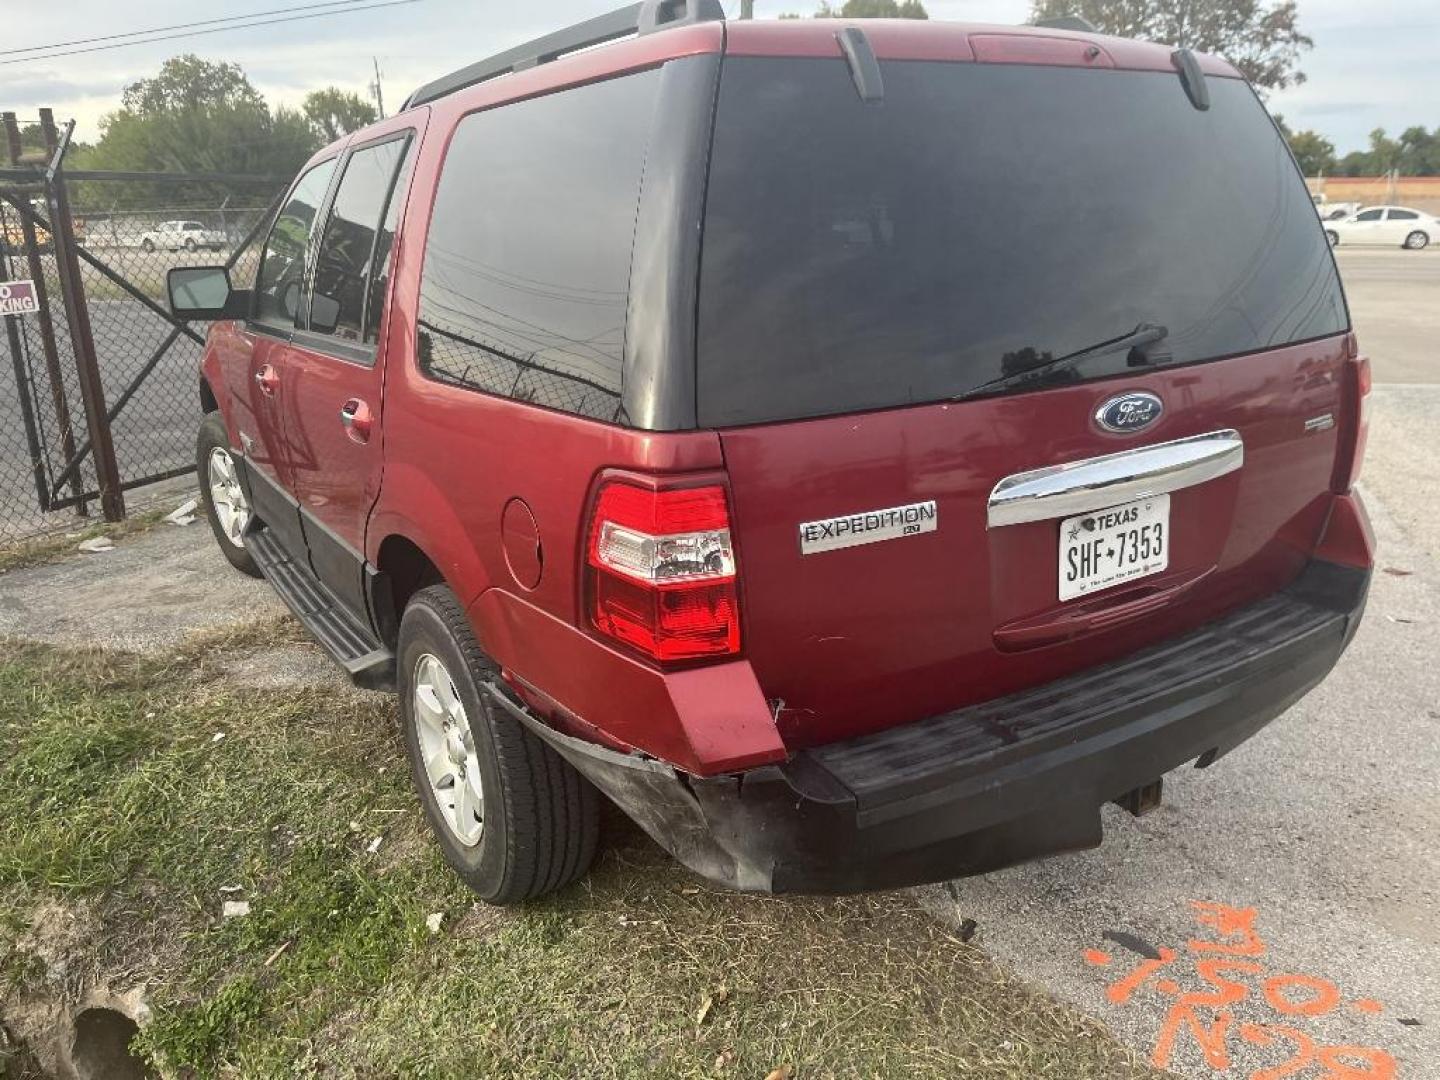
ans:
(1108, 547)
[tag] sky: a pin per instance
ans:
(1373, 64)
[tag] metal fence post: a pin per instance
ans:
(72, 288)
(59, 400)
(24, 391)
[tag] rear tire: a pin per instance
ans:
(190, 245)
(512, 817)
(147, 245)
(1332, 236)
(226, 506)
(1416, 240)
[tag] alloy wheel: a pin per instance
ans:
(447, 749)
(232, 508)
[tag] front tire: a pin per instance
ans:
(1416, 240)
(1332, 236)
(190, 246)
(226, 506)
(512, 817)
(147, 245)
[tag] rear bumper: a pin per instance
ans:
(996, 784)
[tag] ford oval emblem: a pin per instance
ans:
(1125, 413)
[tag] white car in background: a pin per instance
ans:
(1391, 226)
(182, 235)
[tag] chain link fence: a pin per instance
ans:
(104, 314)
(149, 365)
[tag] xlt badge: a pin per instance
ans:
(867, 527)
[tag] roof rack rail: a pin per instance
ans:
(642, 18)
(1066, 22)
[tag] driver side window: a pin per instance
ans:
(283, 263)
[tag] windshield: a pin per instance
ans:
(982, 220)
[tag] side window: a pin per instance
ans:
(380, 281)
(282, 264)
(1369, 215)
(527, 259)
(1402, 215)
(343, 258)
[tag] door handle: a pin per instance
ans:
(356, 418)
(267, 379)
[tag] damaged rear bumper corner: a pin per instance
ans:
(949, 797)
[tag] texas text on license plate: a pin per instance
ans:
(1107, 547)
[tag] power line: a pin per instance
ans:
(199, 33)
(176, 26)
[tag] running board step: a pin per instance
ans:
(353, 645)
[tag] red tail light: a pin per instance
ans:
(661, 570)
(1356, 427)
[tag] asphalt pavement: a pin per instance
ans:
(1395, 307)
(1281, 910)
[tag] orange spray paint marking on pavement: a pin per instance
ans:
(1226, 963)
(1210, 1038)
(1121, 990)
(1374, 1064)
(1230, 923)
(1268, 1035)
(1320, 996)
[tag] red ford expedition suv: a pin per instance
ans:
(859, 450)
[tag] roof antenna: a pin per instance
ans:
(1192, 78)
(864, 68)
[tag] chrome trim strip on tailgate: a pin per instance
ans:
(1077, 487)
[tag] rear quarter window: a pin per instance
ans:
(980, 220)
(527, 258)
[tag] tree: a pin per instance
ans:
(199, 116)
(1385, 152)
(1264, 43)
(1420, 152)
(1314, 153)
(196, 116)
(874, 9)
(1415, 153)
(1355, 163)
(187, 84)
(333, 112)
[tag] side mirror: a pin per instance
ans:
(205, 293)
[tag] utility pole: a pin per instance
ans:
(375, 87)
(747, 9)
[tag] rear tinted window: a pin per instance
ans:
(527, 259)
(982, 219)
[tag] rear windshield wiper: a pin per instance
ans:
(1138, 341)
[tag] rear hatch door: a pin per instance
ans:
(988, 280)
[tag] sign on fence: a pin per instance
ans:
(18, 298)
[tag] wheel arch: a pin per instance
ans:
(401, 569)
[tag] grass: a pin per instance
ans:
(139, 793)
